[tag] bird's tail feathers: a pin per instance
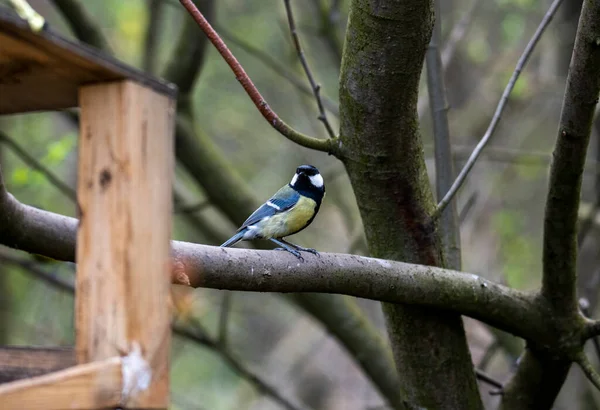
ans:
(234, 239)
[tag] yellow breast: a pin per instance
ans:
(290, 222)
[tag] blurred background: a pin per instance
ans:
(246, 349)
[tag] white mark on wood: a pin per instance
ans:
(137, 373)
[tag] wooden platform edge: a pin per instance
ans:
(88, 386)
(18, 362)
(10, 21)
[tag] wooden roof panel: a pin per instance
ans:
(42, 71)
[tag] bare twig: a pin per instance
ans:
(444, 171)
(274, 65)
(82, 24)
(315, 87)
(199, 335)
(330, 18)
(33, 269)
(584, 305)
(501, 105)
(458, 32)
(35, 164)
(588, 369)
(325, 145)
(486, 378)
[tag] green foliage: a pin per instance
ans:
(58, 150)
(513, 27)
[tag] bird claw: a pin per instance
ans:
(310, 250)
(293, 252)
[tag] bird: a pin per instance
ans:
(289, 211)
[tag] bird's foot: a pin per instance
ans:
(292, 251)
(309, 250)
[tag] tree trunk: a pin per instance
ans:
(382, 151)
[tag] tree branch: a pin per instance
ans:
(35, 164)
(540, 376)
(82, 24)
(187, 59)
(588, 369)
(444, 170)
(200, 336)
(536, 383)
(324, 145)
(53, 235)
(562, 204)
(462, 176)
(359, 337)
(151, 39)
(197, 335)
(274, 65)
(316, 88)
(382, 62)
(22, 226)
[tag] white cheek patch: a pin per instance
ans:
(274, 206)
(316, 180)
(294, 180)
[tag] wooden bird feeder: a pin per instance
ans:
(125, 172)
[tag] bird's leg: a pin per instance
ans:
(300, 248)
(285, 247)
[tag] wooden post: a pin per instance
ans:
(124, 200)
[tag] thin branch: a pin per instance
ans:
(200, 336)
(584, 305)
(501, 105)
(486, 378)
(330, 18)
(457, 34)
(324, 145)
(34, 270)
(588, 369)
(82, 24)
(444, 171)
(274, 65)
(188, 55)
(315, 87)
(35, 164)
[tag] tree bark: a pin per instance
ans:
(383, 153)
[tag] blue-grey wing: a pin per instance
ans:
(283, 200)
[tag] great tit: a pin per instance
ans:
(289, 211)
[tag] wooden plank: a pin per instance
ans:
(18, 362)
(88, 386)
(43, 71)
(124, 193)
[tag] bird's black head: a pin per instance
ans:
(309, 182)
